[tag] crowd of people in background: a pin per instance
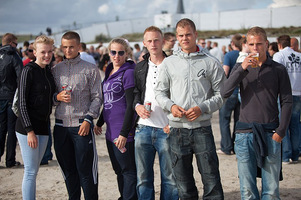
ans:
(185, 78)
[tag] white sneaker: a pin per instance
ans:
(224, 153)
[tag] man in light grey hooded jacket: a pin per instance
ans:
(188, 88)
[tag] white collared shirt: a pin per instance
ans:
(158, 117)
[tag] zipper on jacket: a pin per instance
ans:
(49, 96)
(69, 81)
(189, 82)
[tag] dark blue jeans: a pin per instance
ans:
(7, 125)
(48, 154)
(291, 142)
(183, 144)
(231, 105)
(125, 169)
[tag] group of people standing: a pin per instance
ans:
(163, 105)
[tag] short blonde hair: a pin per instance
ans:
(123, 42)
(153, 29)
(257, 31)
(44, 40)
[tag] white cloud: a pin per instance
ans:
(87, 11)
(103, 9)
(285, 3)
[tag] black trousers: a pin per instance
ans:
(7, 127)
(77, 158)
(125, 169)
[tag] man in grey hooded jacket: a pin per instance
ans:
(189, 89)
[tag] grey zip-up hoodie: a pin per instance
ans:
(190, 80)
(86, 97)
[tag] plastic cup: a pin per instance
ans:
(256, 56)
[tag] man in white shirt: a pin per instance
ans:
(216, 52)
(150, 137)
(84, 55)
(292, 61)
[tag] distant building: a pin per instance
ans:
(180, 7)
(234, 19)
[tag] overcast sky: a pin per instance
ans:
(34, 16)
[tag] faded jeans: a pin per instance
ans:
(148, 141)
(32, 159)
(247, 167)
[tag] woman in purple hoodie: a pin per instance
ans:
(118, 114)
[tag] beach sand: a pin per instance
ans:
(50, 183)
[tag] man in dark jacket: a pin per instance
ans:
(150, 137)
(10, 70)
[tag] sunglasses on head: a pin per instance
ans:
(120, 53)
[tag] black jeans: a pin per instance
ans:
(200, 142)
(7, 125)
(125, 169)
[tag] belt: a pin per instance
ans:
(59, 122)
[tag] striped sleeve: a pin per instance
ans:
(23, 95)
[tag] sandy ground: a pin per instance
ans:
(50, 183)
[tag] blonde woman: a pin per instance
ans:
(36, 88)
(118, 114)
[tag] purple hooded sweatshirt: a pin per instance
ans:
(114, 87)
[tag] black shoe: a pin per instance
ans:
(16, 164)
(44, 163)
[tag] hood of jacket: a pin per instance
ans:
(200, 52)
(129, 64)
(7, 49)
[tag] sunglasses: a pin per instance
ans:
(120, 53)
(30, 50)
(15, 43)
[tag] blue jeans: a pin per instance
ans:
(124, 167)
(247, 167)
(291, 142)
(148, 141)
(7, 125)
(231, 104)
(186, 142)
(31, 158)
